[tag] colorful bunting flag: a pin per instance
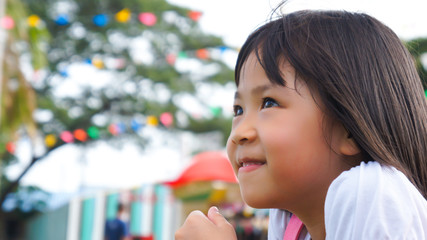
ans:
(123, 15)
(202, 53)
(100, 20)
(67, 137)
(194, 15)
(98, 63)
(121, 128)
(147, 18)
(152, 121)
(80, 135)
(166, 119)
(64, 73)
(216, 111)
(93, 132)
(182, 54)
(62, 20)
(171, 58)
(10, 147)
(50, 140)
(33, 20)
(135, 125)
(113, 129)
(7, 22)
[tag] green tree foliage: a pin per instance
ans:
(81, 40)
(17, 96)
(418, 48)
(140, 59)
(18, 101)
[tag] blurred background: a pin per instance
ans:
(107, 103)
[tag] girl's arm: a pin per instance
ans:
(198, 226)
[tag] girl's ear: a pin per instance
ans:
(348, 146)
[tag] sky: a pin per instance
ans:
(69, 170)
(236, 19)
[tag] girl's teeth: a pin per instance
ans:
(251, 163)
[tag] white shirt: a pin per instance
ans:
(369, 201)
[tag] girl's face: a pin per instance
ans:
(277, 144)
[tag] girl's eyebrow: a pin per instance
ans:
(256, 91)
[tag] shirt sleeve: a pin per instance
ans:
(371, 201)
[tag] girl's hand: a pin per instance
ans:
(197, 226)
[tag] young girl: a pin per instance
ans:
(330, 127)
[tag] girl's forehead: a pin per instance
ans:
(253, 68)
(253, 61)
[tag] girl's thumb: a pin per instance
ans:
(215, 216)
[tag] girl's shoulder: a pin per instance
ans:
(372, 201)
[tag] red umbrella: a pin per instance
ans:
(206, 166)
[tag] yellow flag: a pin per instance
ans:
(50, 140)
(152, 121)
(98, 63)
(33, 20)
(123, 16)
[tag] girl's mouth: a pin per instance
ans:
(250, 166)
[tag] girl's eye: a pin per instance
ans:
(238, 110)
(269, 102)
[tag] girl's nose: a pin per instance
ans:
(243, 132)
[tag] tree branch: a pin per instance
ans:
(15, 183)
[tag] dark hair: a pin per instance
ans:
(120, 207)
(363, 75)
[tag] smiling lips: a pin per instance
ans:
(247, 165)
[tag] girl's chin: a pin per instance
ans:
(255, 202)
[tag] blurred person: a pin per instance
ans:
(116, 229)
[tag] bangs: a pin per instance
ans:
(267, 44)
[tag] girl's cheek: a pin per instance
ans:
(231, 152)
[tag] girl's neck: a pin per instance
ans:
(314, 221)
(317, 230)
(313, 216)
(312, 211)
